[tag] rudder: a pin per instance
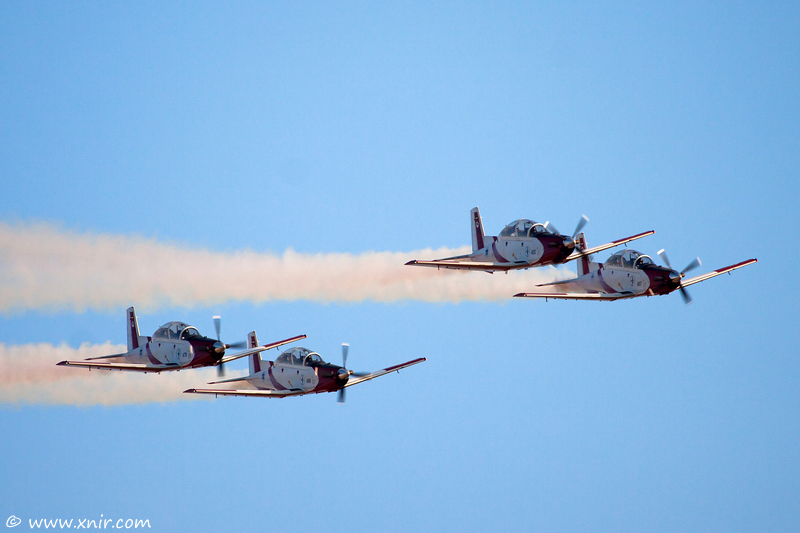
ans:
(477, 229)
(585, 264)
(133, 330)
(254, 359)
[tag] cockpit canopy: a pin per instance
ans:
(299, 357)
(629, 259)
(176, 330)
(523, 228)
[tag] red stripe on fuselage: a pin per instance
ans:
(478, 230)
(274, 382)
(498, 258)
(663, 285)
(134, 333)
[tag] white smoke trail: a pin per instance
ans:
(29, 375)
(43, 267)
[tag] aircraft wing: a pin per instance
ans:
(119, 366)
(451, 264)
(714, 273)
(258, 393)
(355, 379)
(595, 296)
(259, 349)
(594, 250)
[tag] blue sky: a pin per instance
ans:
(349, 128)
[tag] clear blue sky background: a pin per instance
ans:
(350, 127)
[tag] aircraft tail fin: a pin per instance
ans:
(133, 330)
(477, 230)
(254, 359)
(585, 264)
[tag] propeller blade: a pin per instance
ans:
(691, 266)
(581, 223)
(663, 255)
(345, 349)
(217, 324)
(686, 298)
(220, 369)
(237, 345)
(549, 226)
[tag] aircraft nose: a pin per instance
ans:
(675, 277)
(343, 375)
(569, 242)
(218, 347)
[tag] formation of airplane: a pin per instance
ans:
(297, 372)
(178, 346)
(627, 274)
(174, 346)
(522, 244)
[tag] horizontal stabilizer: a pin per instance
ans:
(232, 380)
(119, 355)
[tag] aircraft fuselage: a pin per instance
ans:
(543, 250)
(312, 379)
(191, 353)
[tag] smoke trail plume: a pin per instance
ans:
(29, 375)
(42, 267)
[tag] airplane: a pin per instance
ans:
(174, 346)
(523, 243)
(297, 372)
(628, 274)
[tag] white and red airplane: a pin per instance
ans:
(522, 244)
(174, 346)
(297, 372)
(627, 274)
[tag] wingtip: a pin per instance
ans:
(190, 391)
(520, 295)
(412, 262)
(62, 363)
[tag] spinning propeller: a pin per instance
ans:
(220, 348)
(569, 241)
(345, 374)
(678, 276)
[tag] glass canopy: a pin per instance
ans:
(176, 330)
(299, 357)
(629, 259)
(523, 228)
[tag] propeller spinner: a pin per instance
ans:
(677, 277)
